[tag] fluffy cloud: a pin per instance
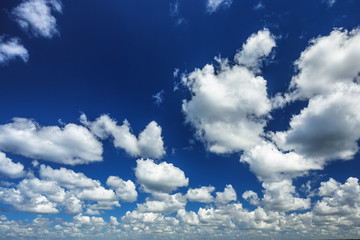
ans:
(256, 48)
(148, 144)
(202, 194)
(214, 5)
(10, 49)
(163, 203)
(71, 144)
(328, 128)
(67, 178)
(229, 106)
(9, 168)
(269, 163)
(34, 195)
(226, 196)
(125, 190)
(281, 196)
(326, 61)
(35, 16)
(163, 177)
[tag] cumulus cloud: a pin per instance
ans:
(269, 163)
(11, 49)
(10, 169)
(71, 144)
(328, 128)
(163, 203)
(34, 195)
(340, 204)
(148, 144)
(229, 106)
(35, 16)
(125, 190)
(202, 194)
(158, 98)
(163, 177)
(226, 196)
(258, 46)
(327, 60)
(67, 177)
(214, 5)
(281, 196)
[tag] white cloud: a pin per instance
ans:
(67, 178)
(328, 60)
(214, 5)
(190, 218)
(125, 190)
(269, 163)
(328, 128)
(164, 203)
(148, 144)
(34, 195)
(11, 49)
(162, 177)
(9, 168)
(281, 196)
(97, 194)
(251, 197)
(229, 106)
(256, 48)
(35, 16)
(340, 204)
(71, 144)
(226, 196)
(202, 194)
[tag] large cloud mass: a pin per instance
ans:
(229, 106)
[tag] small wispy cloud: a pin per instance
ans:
(11, 49)
(158, 97)
(214, 5)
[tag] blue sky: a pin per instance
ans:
(216, 119)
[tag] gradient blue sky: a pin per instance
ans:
(218, 119)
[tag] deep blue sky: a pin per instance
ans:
(112, 57)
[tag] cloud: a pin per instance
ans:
(125, 190)
(163, 177)
(327, 60)
(257, 47)
(34, 195)
(71, 144)
(328, 128)
(11, 49)
(158, 98)
(330, 3)
(148, 144)
(163, 203)
(226, 196)
(340, 204)
(269, 163)
(214, 5)
(175, 12)
(281, 196)
(67, 178)
(35, 16)
(10, 169)
(229, 105)
(202, 194)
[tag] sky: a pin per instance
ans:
(180, 119)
